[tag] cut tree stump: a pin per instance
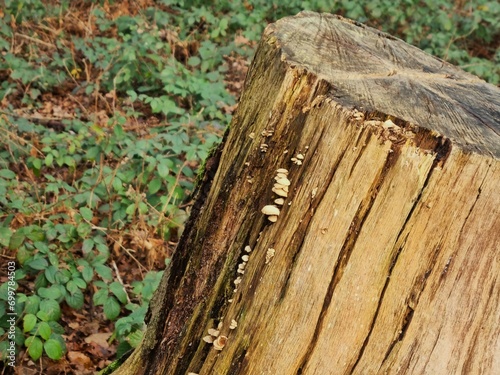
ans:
(385, 256)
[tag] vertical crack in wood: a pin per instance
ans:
(313, 204)
(345, 254)
(442, 149)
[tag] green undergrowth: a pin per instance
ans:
(106, 112)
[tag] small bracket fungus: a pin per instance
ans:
(280, 191)
(208, 339)
(270, 210)
(283, 181)
(388, 124)
(279, 201)
(269, 255)
(213, 332)
(358, 116)
(248, 249)
(233, 324)
(313, 193)
(220, 342)
(280, 175)
(272, 218)
(267, 132)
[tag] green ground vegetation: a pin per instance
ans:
(107, 110)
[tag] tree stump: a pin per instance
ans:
(382, 256)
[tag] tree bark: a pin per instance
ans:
(384, 258)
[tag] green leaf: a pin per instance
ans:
(111, 308)
(35, 347)
(42, 315)
(38, 263)
(132, 94)
(143, 208)
(17, 240)
(86, 213)
(42, 247)
(62, 276)
(50, 274)
(87, 273)
(44, 330)
(122, 348)
(75, 300)
(69, 161)
(32, 304)
(104, 271)
(80, 283)
(50, 293)
(5, 236)
(56, 327)
(154, 185)
(37, 164)
(51, 308)
(100, 297)
(93, 153)
(71, 286)
(194, 61)
(117, 289)
(135, 338)
(117, 184)
(7, 174)
(163, 169)
(131, 209)
(88, 245)
(53, 349)
(29, 321)
(35, 233)
(49, 159)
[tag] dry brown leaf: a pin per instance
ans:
(79, 359)
(100, 339)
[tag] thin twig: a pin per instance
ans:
(120, 279)
(34, 40)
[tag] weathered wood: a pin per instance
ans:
(386, 251)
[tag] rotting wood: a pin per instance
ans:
(384, 258)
